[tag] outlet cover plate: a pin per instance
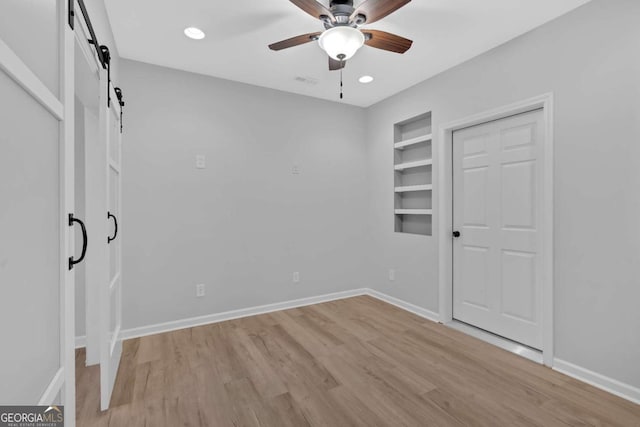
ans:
(200, 290)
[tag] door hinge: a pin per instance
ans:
(72, 13)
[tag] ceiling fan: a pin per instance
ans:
(342, 37)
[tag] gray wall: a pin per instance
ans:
(590, 59)
(244, 224)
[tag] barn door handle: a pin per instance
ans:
(456, 234)
(115, 222)
(85, 241)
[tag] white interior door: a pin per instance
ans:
(88, 87)
(111, 294)
(497, 264)
(36, 199)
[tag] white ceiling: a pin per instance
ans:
(445, 33)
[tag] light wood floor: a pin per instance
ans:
(357, 361)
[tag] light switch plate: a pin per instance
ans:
(201, 161)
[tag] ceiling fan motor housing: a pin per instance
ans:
(342, 10)
(337, 2)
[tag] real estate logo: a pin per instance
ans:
(31, 416)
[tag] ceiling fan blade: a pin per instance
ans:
(375, 10)
(386, 41)
(315, 9)
(335, 65)
(295, 41)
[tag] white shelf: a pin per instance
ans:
(413, 211)
(413, 141)
(410, 165)
(410, 188)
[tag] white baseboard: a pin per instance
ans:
(81, 342)
(235, 314)
(422, 312)
(53, 389)
(610, 385)
(600, 381)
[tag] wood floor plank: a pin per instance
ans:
(352, 362)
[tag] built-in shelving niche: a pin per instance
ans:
(413, 175)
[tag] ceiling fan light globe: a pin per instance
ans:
(341, 43)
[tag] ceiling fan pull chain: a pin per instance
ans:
(341, 85)
(341, 69)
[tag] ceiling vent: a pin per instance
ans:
(307, 80)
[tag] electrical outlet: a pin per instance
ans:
(201, 161)
(392, 275)
(200, 291)
(296, 277)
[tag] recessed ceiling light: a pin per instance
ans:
(194, 33)
(365, 79)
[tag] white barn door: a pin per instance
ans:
(88, 89)
(498, 199)
(37, 224)
(111, 290)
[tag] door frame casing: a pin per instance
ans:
(443, 152)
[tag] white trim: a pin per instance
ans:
(235, 314)
(53, 389)
(81, 342)
(443, 154)
(11, 64)
(419, 311)
(114, 340)
(626, 391)
(498, 341)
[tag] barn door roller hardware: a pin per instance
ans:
(93, 40)
(72, 13)
(107, 65)
(104, 55)
(121, 102)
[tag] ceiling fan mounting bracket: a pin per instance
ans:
(342, 12)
